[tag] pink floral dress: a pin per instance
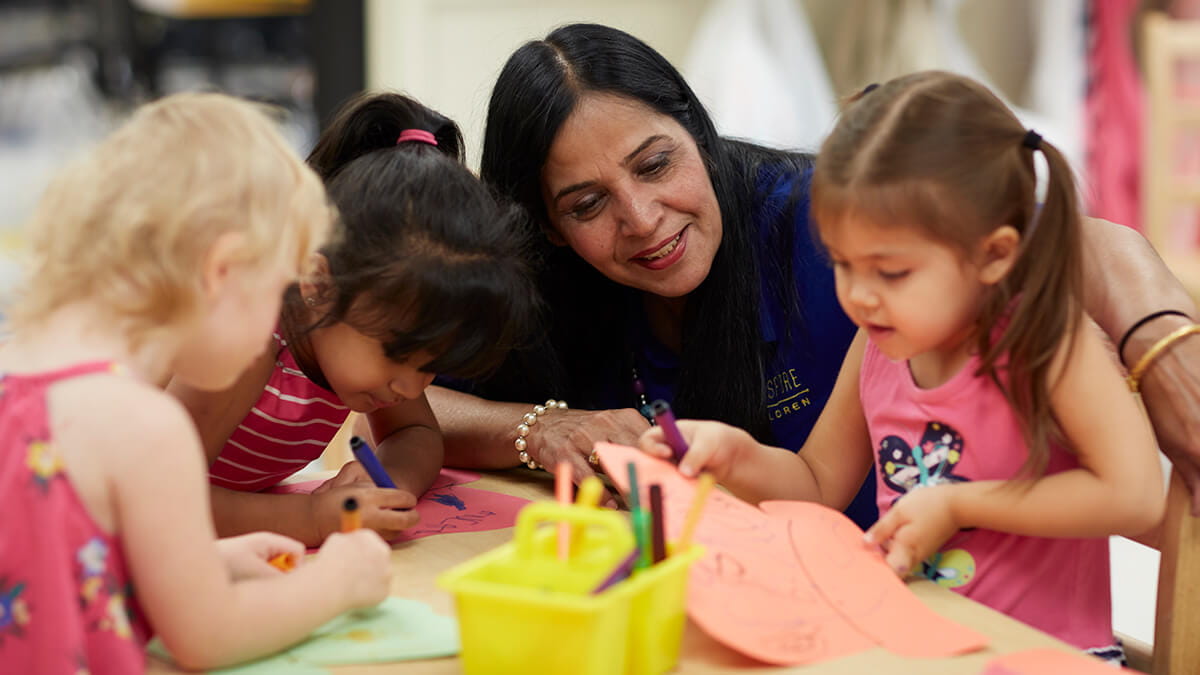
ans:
(66, 601)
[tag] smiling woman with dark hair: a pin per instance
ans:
(680, 265)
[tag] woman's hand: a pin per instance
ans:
(246, 555)
(916, 526)
(570, 436)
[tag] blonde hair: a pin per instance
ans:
(941, 153)
(129, 225)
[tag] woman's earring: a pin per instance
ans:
(311, 301)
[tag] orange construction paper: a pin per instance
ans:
(858, 582)
(752, 591)
(1046, 661)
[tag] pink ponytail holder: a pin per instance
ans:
(418, 135)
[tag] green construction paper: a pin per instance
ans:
(397, 629)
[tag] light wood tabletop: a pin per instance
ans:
(418, 563)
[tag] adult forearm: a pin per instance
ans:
(477, 433)
(1125, 280)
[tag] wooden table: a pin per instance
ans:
(418, 563)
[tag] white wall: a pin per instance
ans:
(447, 53)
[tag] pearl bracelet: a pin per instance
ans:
(527, 421)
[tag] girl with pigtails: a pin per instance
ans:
(1006, 445)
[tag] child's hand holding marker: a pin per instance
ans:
(254, 555)
(384, 510)
(357, 559)
(710, 447)
(382, 506)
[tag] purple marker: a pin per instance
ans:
(622, 571)
(666, 419)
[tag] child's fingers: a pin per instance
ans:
(694, 463)
(703, 450)
(901, 558)
(386, 498)
(271, 544)
(884, 529)
(652, 442)
(391, 521)
(348, 475)
(351, 472)
(886, 533)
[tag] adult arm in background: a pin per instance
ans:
(1126, 280)
(479, 434)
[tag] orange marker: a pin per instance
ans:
(351, 518)
(285, 562)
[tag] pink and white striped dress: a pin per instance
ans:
(287, 428)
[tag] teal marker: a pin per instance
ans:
(641, 522)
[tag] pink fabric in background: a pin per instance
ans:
(1113, 114)
(447, 506)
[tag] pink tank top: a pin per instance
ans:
(288, 427)
(965, 430)
(66, 600)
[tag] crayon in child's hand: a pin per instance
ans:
(285, 562)
(664, 418)
(351, 517)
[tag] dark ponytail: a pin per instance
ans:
(374, 122)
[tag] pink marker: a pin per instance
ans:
(562, 494)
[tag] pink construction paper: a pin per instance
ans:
(1046, 661)
(754, 592)
(447, 506)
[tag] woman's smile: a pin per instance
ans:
(664, 254)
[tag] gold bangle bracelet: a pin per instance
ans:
(1135, 374)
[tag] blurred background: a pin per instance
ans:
(1082, 72)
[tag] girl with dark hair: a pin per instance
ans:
(425, 276)
(677, 264)
(974, 376)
